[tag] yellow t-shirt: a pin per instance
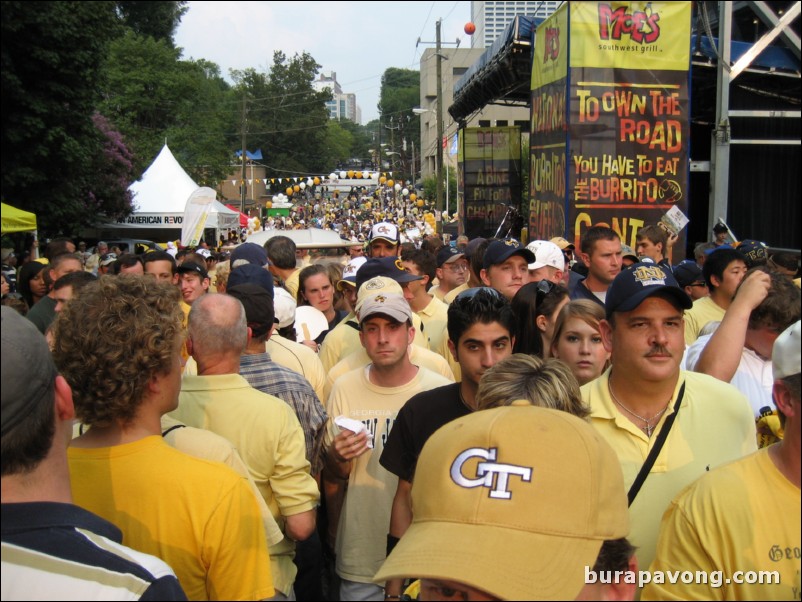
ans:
(268, 436)
(180, 509)
(715, 425)
(704, 310)
(744, 516)
(450, 295)
(365, 516)
(417, 355)
(435, 321)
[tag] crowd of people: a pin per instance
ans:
(405, 418)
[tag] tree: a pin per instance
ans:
(158, 20)
(400, 93)
(152, 96)
(113, 172)
(49, 76)
(286, 117)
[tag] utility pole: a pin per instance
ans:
(438, 166)
(244, 134)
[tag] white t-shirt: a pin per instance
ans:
(753, 377)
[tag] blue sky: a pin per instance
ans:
(357, 40)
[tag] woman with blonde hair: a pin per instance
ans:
(577, 340)
(545, 383)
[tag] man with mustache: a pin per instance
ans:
(707, 422)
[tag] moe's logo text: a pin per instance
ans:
(552, 44)
(641, 26)
(493, 475)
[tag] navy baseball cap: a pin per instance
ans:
(687, 273)
(640, 281)
(447, 254)
(500, 251)
(250, 273)
(389, 267)
(250, 252)
(754, 252)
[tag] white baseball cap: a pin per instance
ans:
(786, 356)
(546, 254)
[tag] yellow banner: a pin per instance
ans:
(550, 62)
(630, 35)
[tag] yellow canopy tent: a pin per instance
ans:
(17, 220)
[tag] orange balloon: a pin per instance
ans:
(470, 28)
(289, 191)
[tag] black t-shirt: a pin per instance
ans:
(420, 417)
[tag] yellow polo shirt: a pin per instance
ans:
(704, 310)
(715, 425)
(435, 321)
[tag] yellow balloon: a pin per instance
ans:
(382, 180)
(412, 197)
(296, 188)
(390, 183)
(358, 175)
(289, 191)
(420, 203)
(316, 181)
(350, 173)
(269, 204)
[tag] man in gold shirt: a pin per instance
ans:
(743, 518)
(631, 403)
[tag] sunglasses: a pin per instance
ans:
(544, 287)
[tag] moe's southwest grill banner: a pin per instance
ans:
(627, 113)
(490, 160)
(548, 138)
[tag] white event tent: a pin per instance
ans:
(160, 197)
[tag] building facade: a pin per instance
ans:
(343, 104)
(490, 18)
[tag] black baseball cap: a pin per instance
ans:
(754, 252)
(640, 281)
(191, 267)
(500, 251)
(250, 273)
(389, 267)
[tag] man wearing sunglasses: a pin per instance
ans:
(452, 274)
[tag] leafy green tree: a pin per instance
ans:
(286, 116)
(400, 93)
(158, 19)
(153, 96)
(49, 76)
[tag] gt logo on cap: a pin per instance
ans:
(495, 476)
(383, 230)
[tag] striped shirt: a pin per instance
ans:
(55, 551)
(264, 374)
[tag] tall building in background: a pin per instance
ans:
(491, 18)
(343, 104)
